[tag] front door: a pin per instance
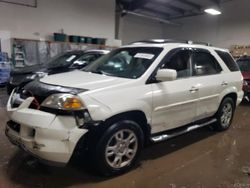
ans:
(175, 102)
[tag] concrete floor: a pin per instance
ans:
(201, 159)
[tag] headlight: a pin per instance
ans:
(63, 102)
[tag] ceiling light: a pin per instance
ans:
(212, 11)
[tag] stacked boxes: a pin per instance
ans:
(4, 69)
(60, 37)
(240, 50)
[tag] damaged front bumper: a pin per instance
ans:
(45, 135)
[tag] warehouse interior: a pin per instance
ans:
(35, 32)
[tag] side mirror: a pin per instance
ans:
(78, 64)
(166, 75)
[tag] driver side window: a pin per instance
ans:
(86, 58)
(181, 62)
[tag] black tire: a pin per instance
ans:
(223, 123)
(100, 158)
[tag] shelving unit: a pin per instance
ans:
(4, 68)
(97, 46)
(28, 52)
(18, 56)
(240, 50)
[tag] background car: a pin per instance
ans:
(62, 63)
(244, 64)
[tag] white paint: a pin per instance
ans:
(231, 27)
(76, 17)
(167, 105)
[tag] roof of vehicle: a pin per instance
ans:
(98, 51)
(169, 42)
(87, 51)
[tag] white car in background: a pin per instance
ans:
(147, 91)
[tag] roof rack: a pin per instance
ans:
(164, 41)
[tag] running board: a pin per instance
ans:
(180, 131)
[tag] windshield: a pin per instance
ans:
(87, 58)
(244, 64)
(125, 62)
(63, 60)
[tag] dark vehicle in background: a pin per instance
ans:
(65, 62)
(244, 64)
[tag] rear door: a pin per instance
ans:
(207, 72)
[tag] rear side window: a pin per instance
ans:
(205, 64)
(228, 60)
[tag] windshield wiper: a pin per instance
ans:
(97, 72)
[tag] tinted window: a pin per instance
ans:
(88, 57)
(63, 60)
(180, 61)
(229, 61)
(125, 62)
(84, 60)
(244, 64)
(205, 64)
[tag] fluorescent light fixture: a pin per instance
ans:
(212, 11)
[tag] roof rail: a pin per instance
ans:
(164, 41)
(203, 43)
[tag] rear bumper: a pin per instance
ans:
(46, 136)
(240, 96)
(247, 92)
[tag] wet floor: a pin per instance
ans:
(201, 159)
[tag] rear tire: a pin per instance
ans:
(118, 149)
(225, 114)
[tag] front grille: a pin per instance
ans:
(21, 95)
(14, 126)
(15, 105)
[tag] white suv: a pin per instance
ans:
(147, 91)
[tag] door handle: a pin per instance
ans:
(194, 89)
(224, 83)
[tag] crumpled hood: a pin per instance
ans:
(83, 80)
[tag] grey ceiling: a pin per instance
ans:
(169, 9)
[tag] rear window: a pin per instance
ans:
(205, 64)
(228, 60)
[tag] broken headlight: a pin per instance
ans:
(63, 102)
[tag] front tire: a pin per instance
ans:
(119, 148)
(225, 114)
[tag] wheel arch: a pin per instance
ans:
(231, 95)
(134, 115)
